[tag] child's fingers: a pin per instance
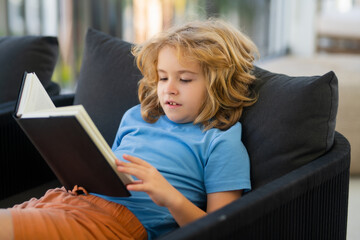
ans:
(131, 161)
(137, 182)
(138, 171)
(136, 167)
(136, 160)
(118, 162)
(130, 165)
(136, 186)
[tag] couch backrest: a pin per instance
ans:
(292, 123)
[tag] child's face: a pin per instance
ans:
(181, 87)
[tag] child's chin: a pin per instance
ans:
(177, 120)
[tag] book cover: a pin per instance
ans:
(71, 145)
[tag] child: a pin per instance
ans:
(182, 144)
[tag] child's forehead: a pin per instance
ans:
(183, 54)
(185, 59)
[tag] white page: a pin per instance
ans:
(34, 96)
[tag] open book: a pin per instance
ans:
(69, 141)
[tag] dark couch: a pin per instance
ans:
(299, 163)
(18, 54)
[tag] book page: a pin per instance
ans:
(34, 96)
(102, 145)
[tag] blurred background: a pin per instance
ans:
(267, 22)
(294, 37)
(278, 27)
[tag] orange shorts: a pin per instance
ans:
(66, 215)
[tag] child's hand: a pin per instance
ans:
(159, 189)
(150, 181)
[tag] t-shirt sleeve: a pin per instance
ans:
(118, 135)
(228, 164)
(126, 119)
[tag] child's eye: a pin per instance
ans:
(185, 80)
(163, 79)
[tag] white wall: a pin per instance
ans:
(302, 32)
(292, 25)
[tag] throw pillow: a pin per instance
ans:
(292, 123)
(27, 53)
(107, 61)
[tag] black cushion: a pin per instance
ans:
(107, 84)
(292, 123)
(27, 53)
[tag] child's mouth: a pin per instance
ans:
(172, 104)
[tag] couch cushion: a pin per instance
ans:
(107, 84)
(292, 123)
(28, 53)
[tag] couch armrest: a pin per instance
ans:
(310, 202)
(21, 165)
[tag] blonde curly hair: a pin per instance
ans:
(226, 58)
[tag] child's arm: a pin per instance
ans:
(184, 211)
(164, 194)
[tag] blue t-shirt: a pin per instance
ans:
(194, 161)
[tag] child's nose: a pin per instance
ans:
(171, 87)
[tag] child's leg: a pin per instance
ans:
(6, 225)
(60, 214)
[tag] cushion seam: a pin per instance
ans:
(330, 112)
